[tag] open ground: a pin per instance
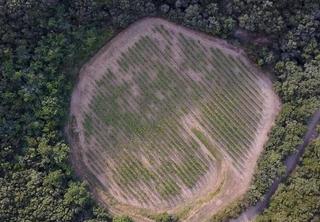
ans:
(164, 118)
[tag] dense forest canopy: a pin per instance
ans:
(43, 44)
(300, 192)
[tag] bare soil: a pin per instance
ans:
(226, 186)
(291, 163)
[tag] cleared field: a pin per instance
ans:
(161, 116)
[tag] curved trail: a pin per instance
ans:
(195, 205)
(290, 163)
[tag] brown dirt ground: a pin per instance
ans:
(230, 185)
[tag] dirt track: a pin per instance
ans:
(290, 163)
(234, 185)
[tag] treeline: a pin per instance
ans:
(43, 44)
(40, 42)
(293, 57)
(298, 199)
(300, 95)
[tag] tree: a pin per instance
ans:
(165, 217)
(122, 219)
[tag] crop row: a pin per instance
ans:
(226, 102)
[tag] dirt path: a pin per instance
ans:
(246, 37)
(234, 187)
(290, 163)
(234, 184)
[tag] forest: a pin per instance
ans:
(44, 43)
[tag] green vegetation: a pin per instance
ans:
(165, 217)
(43, 43)
(298, 199)
(122, 219)
(299, 105)
(138, 114)
(204, 140)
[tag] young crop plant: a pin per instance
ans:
(166, 116)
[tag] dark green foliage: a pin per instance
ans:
(299, 105)
(122, 219)
(298, 199)
(165, 217)
(36, 181)
(291, 124)
(41, 42)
